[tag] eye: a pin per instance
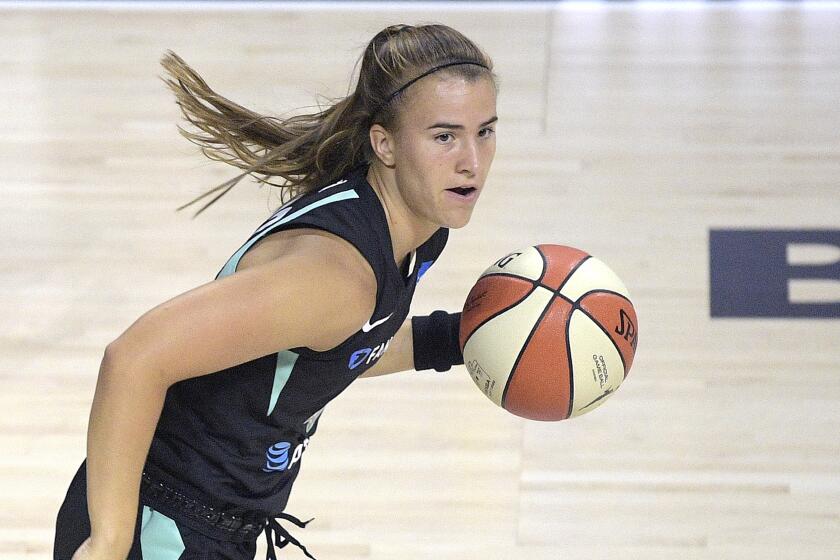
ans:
(485, 132)
(444, 138)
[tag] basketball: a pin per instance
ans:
(548, 333)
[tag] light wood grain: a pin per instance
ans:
(626, 131)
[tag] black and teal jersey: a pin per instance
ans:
(235, 438)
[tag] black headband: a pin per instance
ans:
(423, 75)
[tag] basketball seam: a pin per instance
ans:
(571, 365)
(534, 286)
(522, 349)
(594, 320)
(561, 296)
(604, 291)
(600, 326)
(572, 272)
(510, 275)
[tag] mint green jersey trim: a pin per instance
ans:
(233, 262)
(311, 421)
(159, 537)
(285, 362)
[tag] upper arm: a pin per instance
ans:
(316, 293)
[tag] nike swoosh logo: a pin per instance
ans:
(367, 327)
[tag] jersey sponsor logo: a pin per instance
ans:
(368, 355)
(277, 456)
(367, 327)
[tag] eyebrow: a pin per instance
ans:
(460, 126)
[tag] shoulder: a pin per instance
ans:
(335, 255)
(328, 271)
(312, 292)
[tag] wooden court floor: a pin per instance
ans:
(627, 131)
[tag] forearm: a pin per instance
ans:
(126, 408)
(422, 343)
(398, 357)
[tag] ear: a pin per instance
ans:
(382, 142)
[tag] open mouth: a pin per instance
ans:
(463, 191)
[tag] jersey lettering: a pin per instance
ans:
(368, 355)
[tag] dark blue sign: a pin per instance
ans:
(750, 273)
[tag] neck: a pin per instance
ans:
(408, 231)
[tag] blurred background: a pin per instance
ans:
(692, 146)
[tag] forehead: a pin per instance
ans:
(452, 97)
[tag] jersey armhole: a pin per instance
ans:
(305, 350)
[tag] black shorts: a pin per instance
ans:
(156, 536)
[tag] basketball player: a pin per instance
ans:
(182, 464)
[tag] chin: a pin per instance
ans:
(457, 223)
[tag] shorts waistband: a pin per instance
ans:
(205, 519)
(218, 524)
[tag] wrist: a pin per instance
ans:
(118, 543)
(111, 546)
(436, 341)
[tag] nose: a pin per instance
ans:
(468, 162)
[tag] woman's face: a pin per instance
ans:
(445, 139)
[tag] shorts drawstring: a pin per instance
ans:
(282, 536)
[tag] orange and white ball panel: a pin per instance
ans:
(499, 353)
(596, 364)
(527, 263)
(592, 272)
